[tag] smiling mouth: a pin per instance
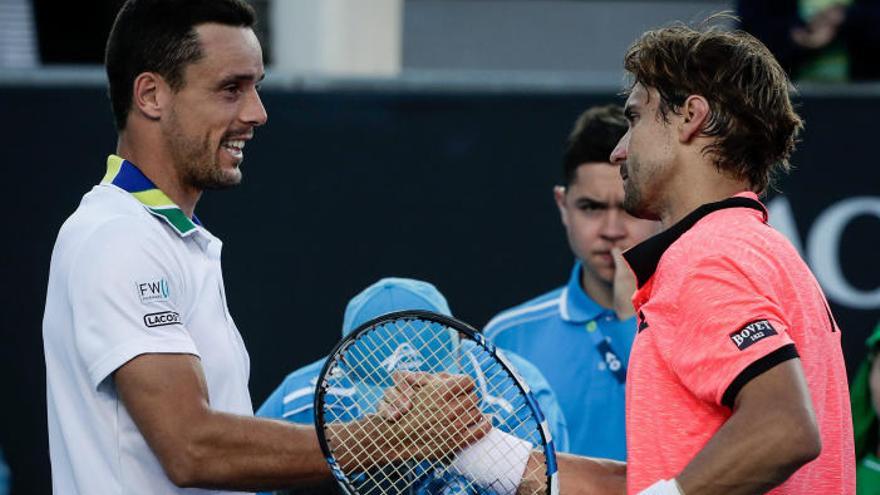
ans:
(234, 147)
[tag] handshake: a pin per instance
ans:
(434, 420)
(423, 416)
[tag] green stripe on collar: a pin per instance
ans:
(126, 176)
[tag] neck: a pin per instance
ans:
(598, 290)
(703, 184)
(153, 160)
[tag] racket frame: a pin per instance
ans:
(451, 323)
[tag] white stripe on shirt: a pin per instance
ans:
(296, 394)
(490, 331)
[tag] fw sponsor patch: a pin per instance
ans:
(153, 290)
(161, 319)
(752, 333)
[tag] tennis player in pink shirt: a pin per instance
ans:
(736, 381)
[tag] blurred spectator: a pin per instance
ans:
(819, 40)
(865, 393)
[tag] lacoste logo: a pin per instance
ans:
(161, 319)
(752, 333)
(405, 357)
(153, 291)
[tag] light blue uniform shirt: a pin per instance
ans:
(582, 349)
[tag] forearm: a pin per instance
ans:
(578, 475)
(771, 433)
(232, 452)
(590, 476)
(744, 459)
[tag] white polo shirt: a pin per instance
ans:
(130, 275)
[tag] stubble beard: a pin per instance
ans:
(196, 160)
(634, 199)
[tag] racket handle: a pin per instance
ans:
(496, 461)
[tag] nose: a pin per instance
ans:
(613, 228)
(253, 112)
(618, 156)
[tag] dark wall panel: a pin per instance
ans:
(342, 188)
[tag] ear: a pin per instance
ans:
(150, 95)
(559, 196)
(694, 114)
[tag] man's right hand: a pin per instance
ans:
(444, 417)
(423, 416)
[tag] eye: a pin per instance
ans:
(232, 89)
(590, 206)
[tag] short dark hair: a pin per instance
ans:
(596, 132)
(751, 113)
(159, 36)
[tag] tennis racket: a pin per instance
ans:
(380, 404)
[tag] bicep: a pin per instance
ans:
(771, 433)
(781, 392)
(731, 329)
(165, 395)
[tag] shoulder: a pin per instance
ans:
(305, 375)
(299, 386)
(106, 221)
(532, 311)
(525, 368)
(733, 227)
(295, 394)
(729, 241)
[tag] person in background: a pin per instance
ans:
(293, 399)
(818, 40)
(865, 400)
(579, 335)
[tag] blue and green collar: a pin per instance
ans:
(126, 176)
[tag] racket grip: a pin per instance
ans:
(497, 461)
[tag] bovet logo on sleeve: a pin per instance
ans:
(161, 319)
(752, 333)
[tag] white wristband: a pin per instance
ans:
(662, 487)
(496, 462)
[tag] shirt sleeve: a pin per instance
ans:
(545, 397)
(125, 291)
(293, 400)
(729, 330)
(272, 407)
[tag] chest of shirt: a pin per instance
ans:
(205, 314)
(575, 355)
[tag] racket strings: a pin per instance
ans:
(414, 345)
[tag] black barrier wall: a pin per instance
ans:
(342, 188)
